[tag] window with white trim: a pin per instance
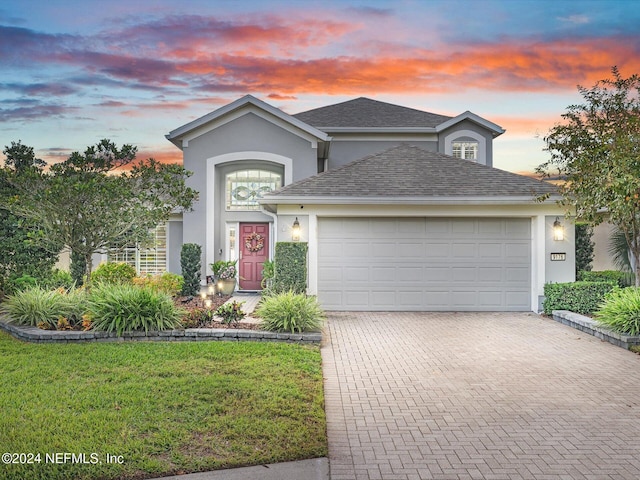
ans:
(150, 259)
(465, 150)
(245, 187)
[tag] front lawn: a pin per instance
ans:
(159, 408)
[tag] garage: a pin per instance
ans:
(425, 263)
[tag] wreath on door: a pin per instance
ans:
(254, 242)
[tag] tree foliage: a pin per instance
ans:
(19, 254)
(596, 149)
(100, 200)
(584, 247)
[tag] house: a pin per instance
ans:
(401, 208)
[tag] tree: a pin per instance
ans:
(584, 247)
(101, 200)
(19, 254)
(596, 150)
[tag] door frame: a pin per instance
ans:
(238, 246)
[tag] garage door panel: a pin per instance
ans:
(490, 250)
(464, 250)
(515, 274)
(491, 274)
(463, 274)
(424, 264)
(436, 250)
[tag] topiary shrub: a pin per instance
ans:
(620, 311)
(290, 267)
(113, 272)
(579, 297)
(191, 264)
(622, 279)
(290, 312)
(126, 308)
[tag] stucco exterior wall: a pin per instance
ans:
(174, 244)
(205, 157)
(348, 147)
(601, 238)
(468, 130)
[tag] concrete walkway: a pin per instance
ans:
(477, 396)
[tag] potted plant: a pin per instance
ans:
(225, 272)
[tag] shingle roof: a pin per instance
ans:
(411, 172)
(367, 113)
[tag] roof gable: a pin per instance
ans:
(409, 172)
(246, 104)
(367, 113)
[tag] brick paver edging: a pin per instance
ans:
(590, 326)
(36, 335)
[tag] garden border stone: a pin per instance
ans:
(589, 325)
(36, 335)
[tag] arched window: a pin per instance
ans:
(245, 187)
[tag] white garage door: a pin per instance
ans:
(465, 264)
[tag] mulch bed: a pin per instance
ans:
(196, 303)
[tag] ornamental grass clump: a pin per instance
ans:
(290, 312)
(620, 311)
(124, 308)
(36, 306)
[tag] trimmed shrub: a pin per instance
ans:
(622, 279)
(290, 272)
(579, 297)
(621, 311)
(197, 317)
(113, 273)
(191, 264)
(36, 306)
(290, 312)
(21, 283)
(169, 283)
(125, 308)
(59, 279)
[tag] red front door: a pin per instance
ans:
(254, 250)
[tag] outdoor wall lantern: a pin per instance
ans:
(558, 230)
(295, 231)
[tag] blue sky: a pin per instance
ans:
(74, 72)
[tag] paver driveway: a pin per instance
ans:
(477, 396)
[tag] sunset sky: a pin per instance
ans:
(74, 72)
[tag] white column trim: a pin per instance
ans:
(313, 255)
(538, 258)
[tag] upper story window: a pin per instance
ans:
(245, 187)
(465, 150)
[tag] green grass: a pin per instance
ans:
(167, 408)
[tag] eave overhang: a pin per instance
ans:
(270, 203)
(495, 129)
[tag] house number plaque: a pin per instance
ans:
(558, 257)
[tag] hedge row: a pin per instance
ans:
(579, 297)
(622, 279)
(290, 267)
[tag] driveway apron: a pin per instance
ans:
(477, 396)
